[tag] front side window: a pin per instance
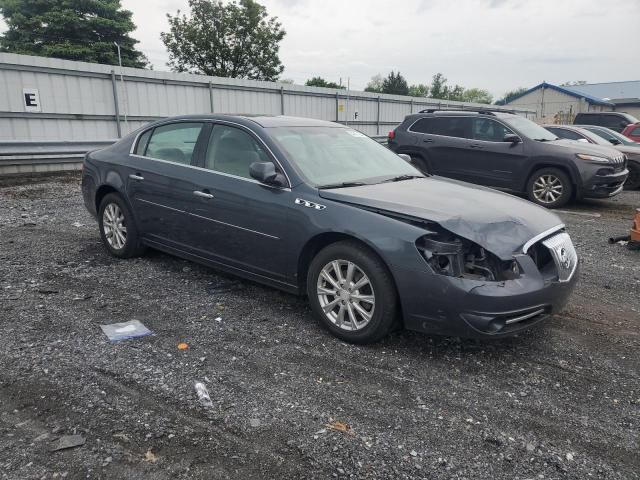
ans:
(333, 155)
(174, 142)
(489, 130)
(635, 132)
(568, 134)
(459, 127)
(232, 151)
(614, 122)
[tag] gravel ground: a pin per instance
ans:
(288, 399)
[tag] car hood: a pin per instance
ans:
(500, 223)
(583, 147)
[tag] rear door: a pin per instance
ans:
(161, 179)
(494, 162)
(448, 146)
(237, 220)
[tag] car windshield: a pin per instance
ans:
(336, 156)
(608, 134)
(529, 129)
(597, 139)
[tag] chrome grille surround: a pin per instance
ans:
(564, 255)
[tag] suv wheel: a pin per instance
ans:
(633, 180)
(352, 293)
(550, 187)
(118, 228)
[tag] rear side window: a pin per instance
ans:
(587, 118)
(459, 127)
(635, 132)
(174, 142)
(424, 125)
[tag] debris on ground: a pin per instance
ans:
(68, 441)
(203, 395)
(225, 286)
(183, 346)
(150, 457)
(337, 426)
(117, 332)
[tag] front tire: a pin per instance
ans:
(352, 293)
(550, 187)
(118, 228)
(633, 180)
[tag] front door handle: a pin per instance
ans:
(136, 177)
(428, 140)
(476, 146)
(198, 193)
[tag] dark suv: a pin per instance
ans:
(616, 121)
(509, 152)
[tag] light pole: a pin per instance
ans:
(124, 88)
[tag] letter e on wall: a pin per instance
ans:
(31, 100)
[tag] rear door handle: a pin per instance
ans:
(428, 140)
(198, 193)
(476, 146)
(136, 177)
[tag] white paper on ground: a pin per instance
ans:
(116, 332)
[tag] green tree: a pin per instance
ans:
(477, 95)
(510, 95)
(438, 88)
(83, 30)
(375, 85)
(395, 84)
(235, 39)
(419, 90)
(321, 82)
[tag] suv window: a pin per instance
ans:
(635, 132)
(232, 151)
(489, 130)
(564, 133)
(174, 142)
(424, 125)
(614, 122)
(459, 127)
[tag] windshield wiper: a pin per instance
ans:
(341, 185)
(400, 178)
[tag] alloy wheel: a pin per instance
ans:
(114, 226)
(547, 188)
(346, 295)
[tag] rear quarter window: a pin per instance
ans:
(424, 125)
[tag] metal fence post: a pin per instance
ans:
(411, 106)
(211, 97)
(281, 100)
(337, 107)
(378, 118)
(115, 102)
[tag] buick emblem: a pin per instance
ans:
(565, 261)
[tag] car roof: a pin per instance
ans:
(457, 113)
(265, 121)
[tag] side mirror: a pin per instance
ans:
(614, 141)
(405, 157)
(512, 138)
(265, 172)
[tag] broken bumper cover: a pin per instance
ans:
(477, 309)
(605, 184)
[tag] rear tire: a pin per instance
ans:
(633, 180)
(352, 293)
(420, 164)
(550, 187)
(118, 228)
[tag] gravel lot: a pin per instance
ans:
(562, 401)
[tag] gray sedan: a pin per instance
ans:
(318, 209)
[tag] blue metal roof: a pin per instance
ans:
(609, 90)
(567, 91)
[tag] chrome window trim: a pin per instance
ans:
(462, 138)
(214, 121)
(539, 237)
(207, 218)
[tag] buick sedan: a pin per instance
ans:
(319, 209)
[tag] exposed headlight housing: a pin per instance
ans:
(593, 158)
(453, 256)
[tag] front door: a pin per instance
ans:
(237, 220)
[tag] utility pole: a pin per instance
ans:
(124, 88)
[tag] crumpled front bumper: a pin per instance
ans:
(438, 304)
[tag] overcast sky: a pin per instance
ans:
(497, 45)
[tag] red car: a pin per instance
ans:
(632, 131)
